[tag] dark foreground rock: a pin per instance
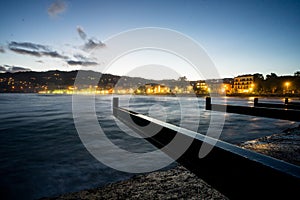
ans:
(177, 183)
(284, 146)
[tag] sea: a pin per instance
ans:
(41, 154)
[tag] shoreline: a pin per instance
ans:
(283, 146)
(296, 96)
(179, 183)
(175, 183)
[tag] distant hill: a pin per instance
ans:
(31, 81)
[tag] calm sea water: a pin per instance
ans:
(42, 155)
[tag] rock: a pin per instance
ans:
(284, 146)
(176, 183)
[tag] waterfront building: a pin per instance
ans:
(243, 84)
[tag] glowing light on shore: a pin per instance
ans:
(287, 84)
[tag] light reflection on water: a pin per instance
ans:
(42, 155)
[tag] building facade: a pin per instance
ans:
(243, 84)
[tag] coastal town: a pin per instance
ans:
(143, 100)
(63, 82)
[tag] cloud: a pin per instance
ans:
(2, 49)
(81, 32)
(23, 51)
(82, 60)
(13, 69)
(80, 57)
(53, 54)
(33, 49)
(29, 45)
(93, 43)
(82, 63)
(56, 8)
(90, 43)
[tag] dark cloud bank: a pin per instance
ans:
(33, 49)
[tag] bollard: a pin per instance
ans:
(115, 105)
(286, 100)
(208, 103)
(255, 101)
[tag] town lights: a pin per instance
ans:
(251, 87)
(287, 84)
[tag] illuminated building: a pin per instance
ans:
(244, 84)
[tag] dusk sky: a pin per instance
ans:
(241, 37)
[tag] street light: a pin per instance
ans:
(287, 86)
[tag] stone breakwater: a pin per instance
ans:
(284, 146)
(179, 183)
(176, 183)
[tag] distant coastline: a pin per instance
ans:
(174, 95)
(263, 95)
(67, 82)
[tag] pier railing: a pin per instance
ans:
(236, 172)
(286, 104)
(276, 111)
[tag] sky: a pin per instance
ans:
(240, 37)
